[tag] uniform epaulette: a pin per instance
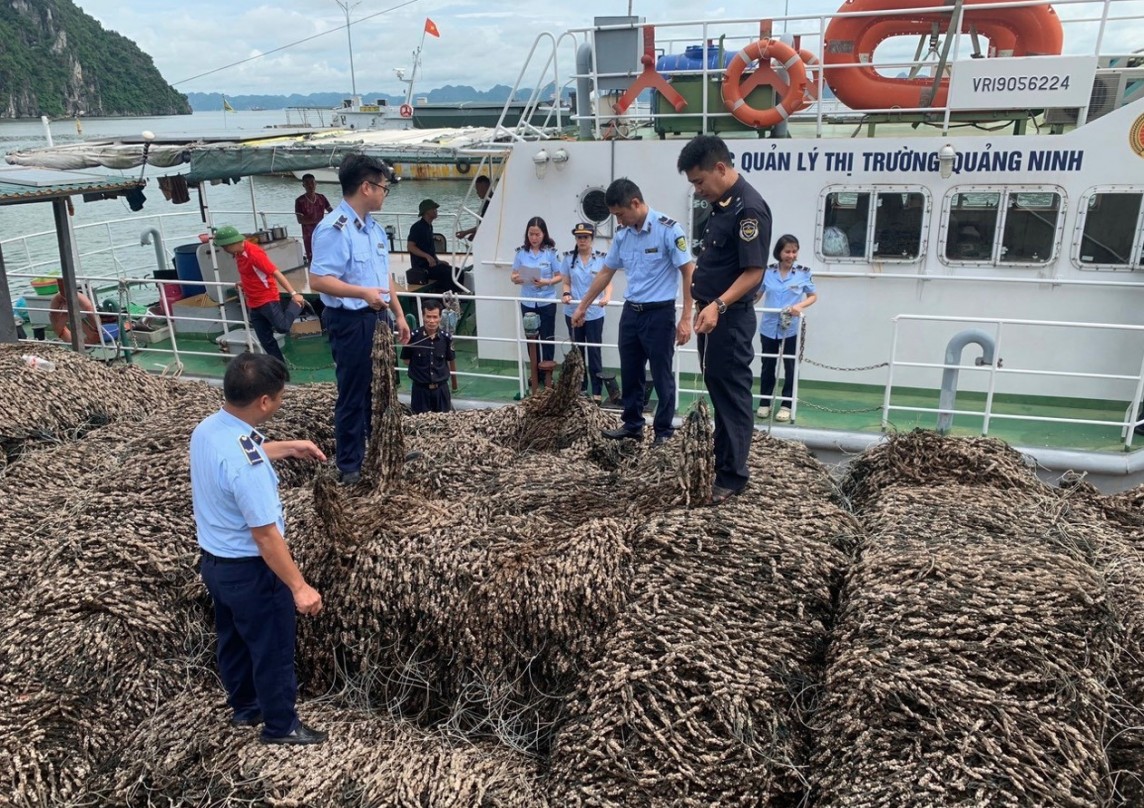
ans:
(599, 253)
(667, 222)
(569, 253)
(518, 249)
(341, 222)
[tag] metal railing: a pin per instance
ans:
(995, 371)
(226, 318)
(729, 35)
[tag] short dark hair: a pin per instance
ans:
(703, 152)
(431, 304)
(483, 178)
(547, 241)
(309, 177)
(621, 193)
(357, 168)
(249, 376)
(782, 242)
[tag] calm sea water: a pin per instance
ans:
(230, 204)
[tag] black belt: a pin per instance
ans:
(741, 303)
(662, 304)
(224, 560)
(429, 385)
(355, 312)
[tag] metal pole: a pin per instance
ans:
(7, 321)
(65, 238)
(350, 43)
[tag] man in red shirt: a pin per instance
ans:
(309, 209)
(260, 280)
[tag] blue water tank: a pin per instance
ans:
(187, 268)
(692, 59)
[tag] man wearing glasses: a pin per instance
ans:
(351, 272)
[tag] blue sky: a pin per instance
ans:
(482, 43)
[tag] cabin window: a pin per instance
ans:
(898, 225)
(873, 224)
(998, 228)
(1111, 236)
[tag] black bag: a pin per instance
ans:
(416, 276)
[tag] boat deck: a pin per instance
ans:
(821, 405)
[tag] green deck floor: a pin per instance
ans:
(822, 405)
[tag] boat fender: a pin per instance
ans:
(463, 165)
(793, 100)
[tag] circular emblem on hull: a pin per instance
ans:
(1136, 136)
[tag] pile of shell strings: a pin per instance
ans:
(521, 613)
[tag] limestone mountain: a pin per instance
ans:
(56, 60)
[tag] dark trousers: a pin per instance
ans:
(254, 618)
(442, 277)
(265, 320)
(431, 398)
(727, 354)
(647, 337)
(789, 349)
(351, 341)
(591, 331)
(546, 351)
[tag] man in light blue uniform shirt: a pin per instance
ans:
(652, 249)
(350, 270)
(246, 565)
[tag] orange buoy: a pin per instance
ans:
(795, 97)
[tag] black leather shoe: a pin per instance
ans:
(302, 736)
(250, 721)
(623, 433)
(660, 440)
(350, 478)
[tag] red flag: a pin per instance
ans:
(431, 28)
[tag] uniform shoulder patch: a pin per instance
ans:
(341, 222)
(749, 229)
(599, 253)
(666, 221)
(681, 243)
(518, 249)
(249, 449)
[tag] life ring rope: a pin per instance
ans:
(795, 97)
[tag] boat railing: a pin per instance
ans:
(609, 75)
(1004, 329)
(232, 313)
(113, 247)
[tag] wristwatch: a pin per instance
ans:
(720, 306)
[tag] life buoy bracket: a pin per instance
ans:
(792, 100)
(406, 111)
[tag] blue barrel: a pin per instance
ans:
(187, 268)
(692, 59)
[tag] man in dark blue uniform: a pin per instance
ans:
(652, 250)
(351, 271)
(246, 564)
(730, 268)
(428, 354)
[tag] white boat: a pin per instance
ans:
(992, 243)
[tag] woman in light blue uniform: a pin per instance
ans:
(536, 268)
(579, 269)
(787, 286)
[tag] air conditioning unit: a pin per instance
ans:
(1110, 91)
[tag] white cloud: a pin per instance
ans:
(482, 43)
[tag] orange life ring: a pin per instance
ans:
(793, 99)
(406, 111)
(850, 43)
